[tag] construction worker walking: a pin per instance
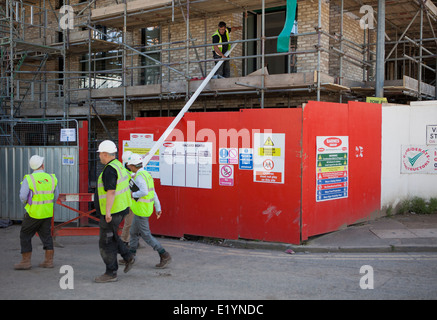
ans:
(39, 191)
(113, 204)
(144, 200)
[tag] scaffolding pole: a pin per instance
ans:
(380, 51)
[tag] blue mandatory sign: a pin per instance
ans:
(331, 194)
(246, 159)
(224, 154)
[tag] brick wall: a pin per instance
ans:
(353, 32)
(308, 12)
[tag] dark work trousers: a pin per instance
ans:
(225, 69)
(29, 227)
(110, 243)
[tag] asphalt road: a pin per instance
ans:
(202, 271)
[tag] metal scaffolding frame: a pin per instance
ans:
(18, 16)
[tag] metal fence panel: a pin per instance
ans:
(14, 165)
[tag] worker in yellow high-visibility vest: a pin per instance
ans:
(144, 200)
(39, 191)
(112, 202)
(219, 49)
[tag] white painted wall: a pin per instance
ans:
(405, 125)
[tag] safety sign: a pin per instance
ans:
(67, 160)
(269, 157)
(141, 143)
(246, 159)
(228, 155)
(146, 138)
(226, 175)
(332, 168)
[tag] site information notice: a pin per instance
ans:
(332, 168)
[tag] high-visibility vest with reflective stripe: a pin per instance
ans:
(42, 185)
(122, 192)
(143, 207)
(220, 40)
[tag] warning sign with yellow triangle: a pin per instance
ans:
(269, 142)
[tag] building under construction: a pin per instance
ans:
(111, 60)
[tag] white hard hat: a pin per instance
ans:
(107, 146)
(135, 159)
(126, 156)
(36, 162)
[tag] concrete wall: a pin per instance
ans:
(405, 125)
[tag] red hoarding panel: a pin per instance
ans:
(365, 125)
(238, 207)
(83, 165)
(271, 211)
(360, 174)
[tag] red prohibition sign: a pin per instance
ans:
(232, 153)
(226, 171)
(268, 164)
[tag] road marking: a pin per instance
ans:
(304, 256)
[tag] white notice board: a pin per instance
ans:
(186, 164)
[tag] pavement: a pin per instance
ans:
(399, 233)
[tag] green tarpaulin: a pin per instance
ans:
(284, 37)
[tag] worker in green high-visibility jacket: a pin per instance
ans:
(112, 202)
(39, 191)
(143, 203)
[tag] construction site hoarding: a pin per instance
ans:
(275, 200)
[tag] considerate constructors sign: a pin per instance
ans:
(419, 159)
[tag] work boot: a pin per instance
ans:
(129, 264)
(165, 260)
(106, 278)
(25, 262)
(48, 260)
(122, 261)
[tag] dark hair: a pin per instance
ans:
(222, 24)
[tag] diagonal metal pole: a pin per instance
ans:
(403, 34)
(187, 106)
